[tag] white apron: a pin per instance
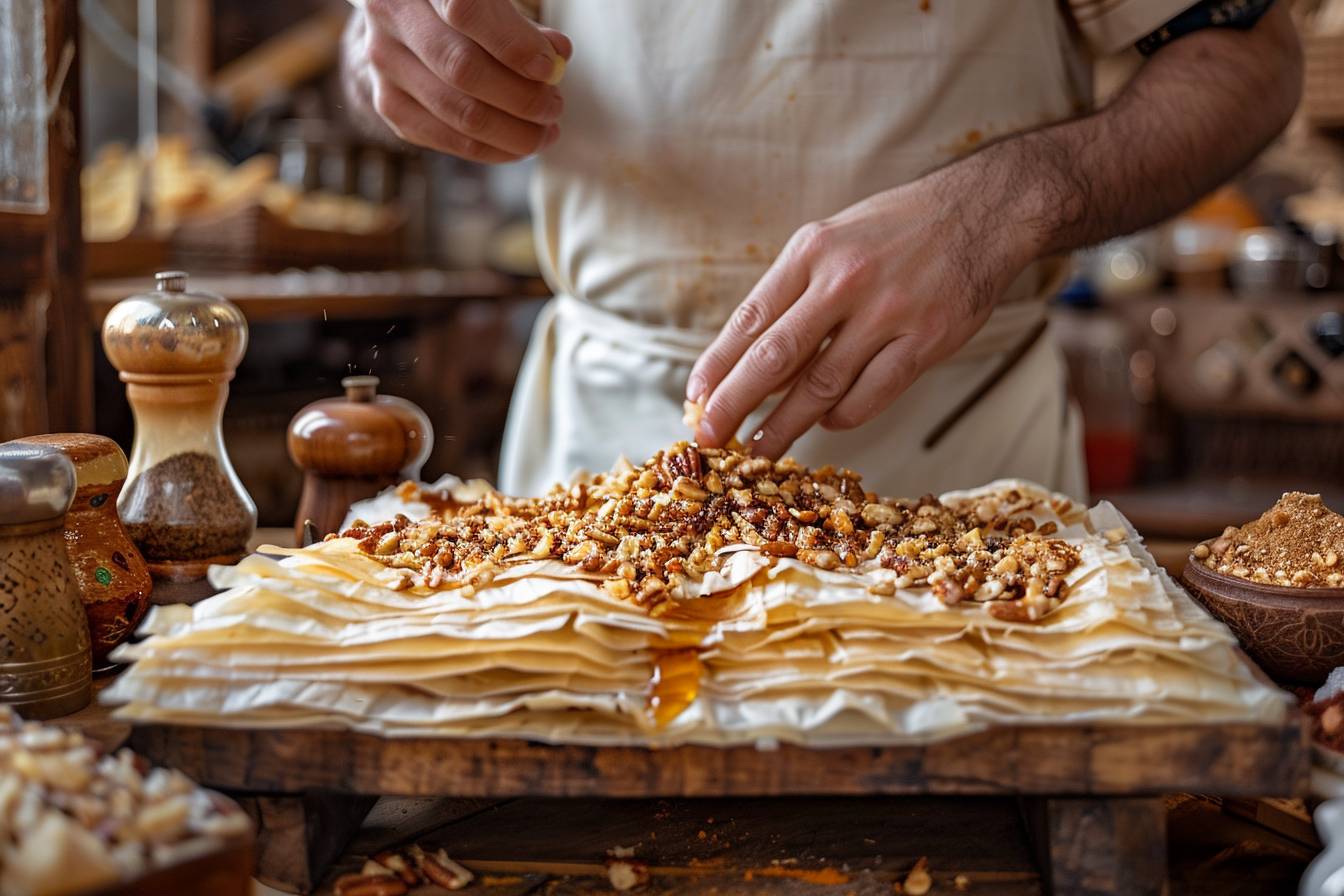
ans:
(698, 137)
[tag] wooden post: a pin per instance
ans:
(299, 836)
(45, 351)
(1090, 846)
(69, 383)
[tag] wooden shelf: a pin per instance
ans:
(333, 295)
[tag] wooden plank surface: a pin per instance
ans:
(1230, 760)
(95, 720)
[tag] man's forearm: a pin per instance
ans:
(1195, 114)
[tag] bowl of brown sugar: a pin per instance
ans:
(1278, 583)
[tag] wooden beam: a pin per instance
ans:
(300, 835)
(69, 355)
(1230, 759)
(1101, 847)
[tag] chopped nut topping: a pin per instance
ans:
(643, 530)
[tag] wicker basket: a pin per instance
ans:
(1323, 80)
(254, 240)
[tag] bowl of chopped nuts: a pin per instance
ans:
(1278, 583)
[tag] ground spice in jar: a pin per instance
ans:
(1299, 542)
(186, 508)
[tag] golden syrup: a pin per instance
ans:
(675, 684)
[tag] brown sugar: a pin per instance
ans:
(1299, 542)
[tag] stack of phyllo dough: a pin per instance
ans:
(707, 597)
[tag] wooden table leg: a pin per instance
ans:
(1089, 846)
(300, 835)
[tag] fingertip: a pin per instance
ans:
(560, 41)
(558, 71)
(562, 50)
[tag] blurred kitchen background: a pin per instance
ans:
(1207, 354)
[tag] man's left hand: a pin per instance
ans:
(856, 307)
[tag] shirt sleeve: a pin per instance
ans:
(1113, 25)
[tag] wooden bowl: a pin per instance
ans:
(224, 871)
(1295, 634)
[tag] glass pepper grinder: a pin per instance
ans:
(183, 503)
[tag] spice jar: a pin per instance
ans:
(183, 504)
(45, 666)
(113, 581)
(351, 448)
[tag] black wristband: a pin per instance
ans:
(1242, 14)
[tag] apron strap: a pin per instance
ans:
(1003, 332)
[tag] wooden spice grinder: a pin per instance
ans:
(113, 579)
(353, 447)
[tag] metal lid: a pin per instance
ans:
(171, 281)
(175, 331)
(37, 483)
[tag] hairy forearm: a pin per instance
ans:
(1196, 113)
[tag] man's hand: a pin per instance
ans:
(896, 283)
(856, 307)
(471, 78)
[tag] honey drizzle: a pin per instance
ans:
(675, 684)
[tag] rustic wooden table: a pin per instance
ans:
(1090, 795)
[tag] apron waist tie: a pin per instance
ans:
(1003, 332)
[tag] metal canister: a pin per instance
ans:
(46, 665)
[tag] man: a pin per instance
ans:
(834, 223)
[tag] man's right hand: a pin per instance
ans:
(471, 78)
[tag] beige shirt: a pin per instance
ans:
(699, 136)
